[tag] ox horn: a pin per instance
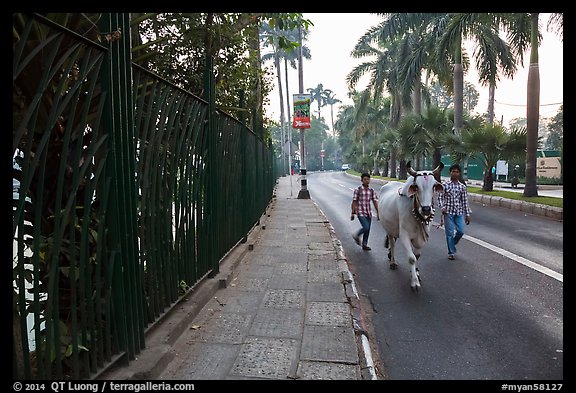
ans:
(438, 169)
(410, 170)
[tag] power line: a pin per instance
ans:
(524, 105)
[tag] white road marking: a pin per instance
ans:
(342, 185)
(514, 257)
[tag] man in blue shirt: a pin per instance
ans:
(455, 209)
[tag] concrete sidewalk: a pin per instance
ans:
(284, 306)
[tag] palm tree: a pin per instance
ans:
(384, 74)
(331, 100)
(495, 57)
(532, 110)
(271, 38)
(345, 126)
(470, 97)
(415, 37)
(438, 125)
(362, 121)
(418, 140)
(408, 50)
(317, 94)
(383, 77)
(277, 39)
(523, 32)
(390, 141)
(440, 48)
(492, 51)
(491, 143)
(407, 145)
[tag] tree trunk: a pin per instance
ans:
(393, 164)
(282, 122)
(491, 97)
(436, 159)
(395, 111)
(386, 166)
(458, 97)
(532, 113)
(417, 97)
(395, 114)
(256, 60)
(332, 118)
(375, 170)
(488, 184)
(403, 175)
(459, 103)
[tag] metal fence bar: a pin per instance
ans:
(55, 98)
(117, 77)
(211, 162)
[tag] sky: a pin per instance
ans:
(334, 35)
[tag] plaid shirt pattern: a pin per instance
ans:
(454, 198)
(363, 196)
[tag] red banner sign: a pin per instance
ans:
(301, 111)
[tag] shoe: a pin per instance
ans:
(366, 248)
(451, 257)
(356, 239)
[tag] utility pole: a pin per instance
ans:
(322, 156)
(289, 126)
(303, 193)
(282, 145)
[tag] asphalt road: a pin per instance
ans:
(495, 313)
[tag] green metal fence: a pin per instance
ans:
(127, 191)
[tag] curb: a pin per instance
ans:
(163, 333)
(366, 364)
(538, 209)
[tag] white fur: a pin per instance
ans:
(395, 207)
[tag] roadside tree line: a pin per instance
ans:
(406, 53)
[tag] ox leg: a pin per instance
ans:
(391, 241)
(417, 253)
(412, 259)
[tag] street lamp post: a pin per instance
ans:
(322, 157)
(303, 193)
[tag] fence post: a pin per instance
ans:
(257, 166)
(272, 171)
(211, 172)
(264, 183)
(244, 171)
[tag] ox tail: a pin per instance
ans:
(387, 242)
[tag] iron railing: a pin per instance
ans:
(128, 191)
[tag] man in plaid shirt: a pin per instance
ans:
(361, 207)
(455, 209)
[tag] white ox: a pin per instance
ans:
(406, 213)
